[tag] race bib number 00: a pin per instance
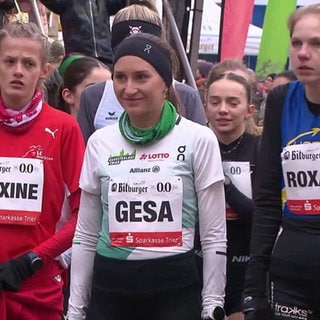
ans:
(240, 175)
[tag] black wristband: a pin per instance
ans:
(218, 314)
(35, 261)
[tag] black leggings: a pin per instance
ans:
(295, 276)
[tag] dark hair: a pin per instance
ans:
(75, 73)
(204, 67)
(213, 77)
(78, 70)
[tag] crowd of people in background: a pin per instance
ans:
(127, 194)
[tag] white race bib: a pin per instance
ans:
(145, 212)
(21, 190)
(301, 171)
(240, 175)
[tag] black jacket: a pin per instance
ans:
(85, 25)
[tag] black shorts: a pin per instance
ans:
(158, 289)
(173, 305)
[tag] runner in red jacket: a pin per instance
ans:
(40, 160)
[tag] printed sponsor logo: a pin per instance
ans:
(134, 30)
(292, 312)
(240, 259)
(154, 169)
(181, 156)
(304, 207)
(4, 168)
(286, 155)
(37, 153)
(51, 132)
(154, 156)
(146, 239)
(150, 241)
(304, 137)
(112, 116)
(299, 155)
(125, 187)
(139, 170)
(123, 156)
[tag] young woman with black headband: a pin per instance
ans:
(146, 181)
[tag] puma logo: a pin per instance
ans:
(52, 133)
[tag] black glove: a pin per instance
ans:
(7, 5)
(14, 272)
(256, 308)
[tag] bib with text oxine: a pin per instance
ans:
(240, 175)
(21, 189)
(301, 173)
(145, 211)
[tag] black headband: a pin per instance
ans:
(123, 29)
(149, 51)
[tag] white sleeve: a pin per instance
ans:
(212, 219)
(212, 223)
(83, 253)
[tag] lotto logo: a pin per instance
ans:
(154, 156)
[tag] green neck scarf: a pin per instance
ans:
(148, 135)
